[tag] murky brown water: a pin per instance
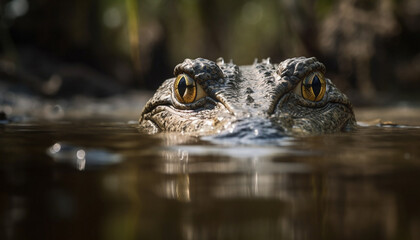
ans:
(105, 180)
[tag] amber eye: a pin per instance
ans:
(187, 90)
(313, 87)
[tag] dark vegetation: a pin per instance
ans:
(103, 47)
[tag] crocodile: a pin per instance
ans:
(262, 100)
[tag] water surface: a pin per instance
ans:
(96, 179)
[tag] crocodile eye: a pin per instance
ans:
(187, 90)
(313, 87)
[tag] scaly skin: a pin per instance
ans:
(258, 99)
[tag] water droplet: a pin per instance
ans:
(81, 154)
(55, 148)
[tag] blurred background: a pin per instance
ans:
(99, 48)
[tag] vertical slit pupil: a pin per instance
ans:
(316, 86)
(182, 86)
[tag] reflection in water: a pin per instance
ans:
(76, 156)
(179, 188)
(251, 181)
(359, 185)
(259, 175)
(81, 160)
(315, 188)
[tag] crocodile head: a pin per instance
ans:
(216, 98)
